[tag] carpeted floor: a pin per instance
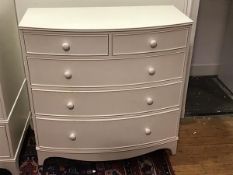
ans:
(156, 163)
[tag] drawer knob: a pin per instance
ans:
(147, 131)
(151, 71)
(149, 101)
(68, 74)
(153, 43)
(70, 105)
(66, 47)
(72, 136)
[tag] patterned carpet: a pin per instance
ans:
(156, 163)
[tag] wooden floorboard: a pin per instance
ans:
(205, 146)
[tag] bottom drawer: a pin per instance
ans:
(4, 148)
(107, 134)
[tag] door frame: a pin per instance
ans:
(192, 9)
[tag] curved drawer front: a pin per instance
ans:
(106, 102)
(91, 73)
(66, 44)
(4, 148)
(108, 134)
(149, 42)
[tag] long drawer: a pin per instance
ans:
(4, 148)
(107, 134)
(134, 43)
(89, 73)
(112, 102)
(60, 44)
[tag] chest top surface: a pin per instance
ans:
(103, 18)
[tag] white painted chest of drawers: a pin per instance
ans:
(105, 82)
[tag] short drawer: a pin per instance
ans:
(111, 102)
(149, 42)
(91, 73)
(107, 134)
(66, 44)
(4, 147)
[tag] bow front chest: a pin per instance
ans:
(105, 83)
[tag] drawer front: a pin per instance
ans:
(107, 133)
(91, 73)
(149, 42)
(106, 102)
(4, 148)
(66, 44)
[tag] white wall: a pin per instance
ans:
(211, 26)
(226, 61)
(22, 5)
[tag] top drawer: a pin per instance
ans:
(52, 44)
(136, 43)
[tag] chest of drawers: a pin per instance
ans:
(105, 83)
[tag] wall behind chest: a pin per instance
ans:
(211, 26)
(22, 5)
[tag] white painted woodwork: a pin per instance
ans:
(79, 72)
(11, 67)
(14, 110)
(18, 118)
(1, 110)
(112, 102)
(192, 12)
(169, 144)
(136, 43)
(78, 45)
(14, 130)
(23, 5)
(95, 18)
(16, 124)
(103, 135)
(4, 147)
(138, 84)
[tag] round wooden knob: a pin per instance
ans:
(66, 47)
(147, 131)
(70, 105)
(72, 136)
(149, 101)
(153, 43)
(151, 71)
(68, 74)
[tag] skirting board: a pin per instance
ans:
(204, 70)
